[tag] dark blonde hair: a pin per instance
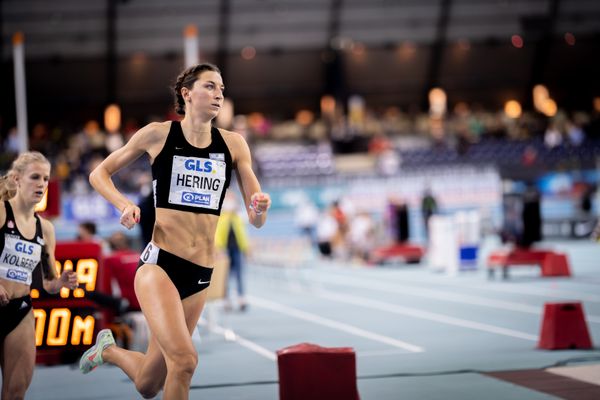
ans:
(186, 79)
(8, 189)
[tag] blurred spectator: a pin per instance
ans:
(529, 156)
(512, 228)
(87, 232)
(114, 141)
(232, 238)
(361, 236)
(575, 133)
(305, 218)
(327, 232)
(552, 136)
(428, 208)
(397, 220)
(91, 140)
(596, 232)
(379, 143)
(119, 241)
(340, 215)
(389, 162)
(39, 140)
(587, 195)
(11, 144)
(532, 218)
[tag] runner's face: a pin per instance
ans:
(207, 93)
(32, 184)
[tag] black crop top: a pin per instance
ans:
(189, 178)
(20, 256)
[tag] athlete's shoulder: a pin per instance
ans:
(232, 138)
(157, 128)
(47, 226)
(228, 134)
(235, 143)
(152, 133)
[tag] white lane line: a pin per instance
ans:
(231, 335)
(411, 312)
(316, 319)
(442, 295)
(547, 292)
(256, 348)
(379, 353)
(503, 287)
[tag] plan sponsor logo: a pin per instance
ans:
(16, 275)
(195, 198)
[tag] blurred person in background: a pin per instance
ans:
(531, 216)
(306, 217)
(396, 220)
(595, 236)
(327, 233)
(361, 236)
(231, 238)
(191, 166)
(428, 208)
(27, 241)
(87, 231)
(11, 143)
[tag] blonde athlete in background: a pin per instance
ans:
(191, 168)
(26, 242)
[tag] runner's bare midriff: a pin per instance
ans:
(15, 289)
(187, 235)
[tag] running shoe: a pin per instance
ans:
(92, 358)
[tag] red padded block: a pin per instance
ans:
(564, 327)
(556, 264)
(408, 252)
(311, 372)
(551, 263)
(517, 256)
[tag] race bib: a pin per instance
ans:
(18, 259)
(150, 254)
(197, 182)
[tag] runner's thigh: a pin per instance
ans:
(163, 309)
(18, 358)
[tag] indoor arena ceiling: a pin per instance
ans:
(76, 29)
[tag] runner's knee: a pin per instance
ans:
(149, 388)
(15, 389)
(148, 385)
(183, 363)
